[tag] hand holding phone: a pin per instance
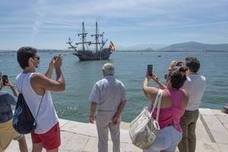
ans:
(150, 69)
(5, 79)
(58, 61)
(58, 56)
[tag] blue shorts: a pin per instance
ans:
(167, 139)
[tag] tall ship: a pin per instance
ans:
(83, 49)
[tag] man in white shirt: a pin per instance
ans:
(107, 99)
(195, 85)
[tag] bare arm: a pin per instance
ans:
(160, 84)
(50, 68)
(40, 82)
(116, 117)
(13, 88)
(121, 107)
(151, 93)
(186, 98)
(93, 107)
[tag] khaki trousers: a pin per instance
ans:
(188, 124)
(104, 123)
(7, 134)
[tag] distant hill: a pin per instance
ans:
(142, 47)
(195, 46)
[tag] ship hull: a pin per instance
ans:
(88, 55)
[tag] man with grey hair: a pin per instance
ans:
(107, 99)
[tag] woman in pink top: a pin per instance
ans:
(173, 102)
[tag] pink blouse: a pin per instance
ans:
(171, 115)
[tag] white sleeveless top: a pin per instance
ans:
(47, 116)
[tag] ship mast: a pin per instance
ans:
(83, 37)
(97, 35)
(99, 45)
(102, 41)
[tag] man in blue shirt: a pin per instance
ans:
(7, 132)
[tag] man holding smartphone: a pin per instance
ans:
(7, 132)
(36, 89)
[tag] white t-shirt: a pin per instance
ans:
(108, 93)
(47, 116)
(195, 85)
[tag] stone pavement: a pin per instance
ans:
(212, 135)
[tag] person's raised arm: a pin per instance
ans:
(160, 84)
(59, 74)
(150, 92)
(39, 81)
(13, 88)
(50, 68)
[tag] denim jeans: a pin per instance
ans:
(167, 140)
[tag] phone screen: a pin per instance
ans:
(150, 69)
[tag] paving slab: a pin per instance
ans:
(217, 130)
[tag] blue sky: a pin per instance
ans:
(49, 23)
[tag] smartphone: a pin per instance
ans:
(59, 55)
(150, 69)
(5, 79)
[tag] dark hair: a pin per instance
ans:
(192, 63)
(180, 63)
(23, 55)
(177, 78)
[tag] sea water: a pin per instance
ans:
(130, 68)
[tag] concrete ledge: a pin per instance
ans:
(82, 137)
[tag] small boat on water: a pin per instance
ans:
(85, 53)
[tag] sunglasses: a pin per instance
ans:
(37, 57)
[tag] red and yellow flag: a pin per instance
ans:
(112, 46)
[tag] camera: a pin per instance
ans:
(150, 69)
(5, 79)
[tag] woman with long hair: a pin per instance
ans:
(173, 103)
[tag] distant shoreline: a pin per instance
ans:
(170, 51)
(45, 50)
(139, 51)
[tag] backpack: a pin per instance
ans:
(23, 120)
